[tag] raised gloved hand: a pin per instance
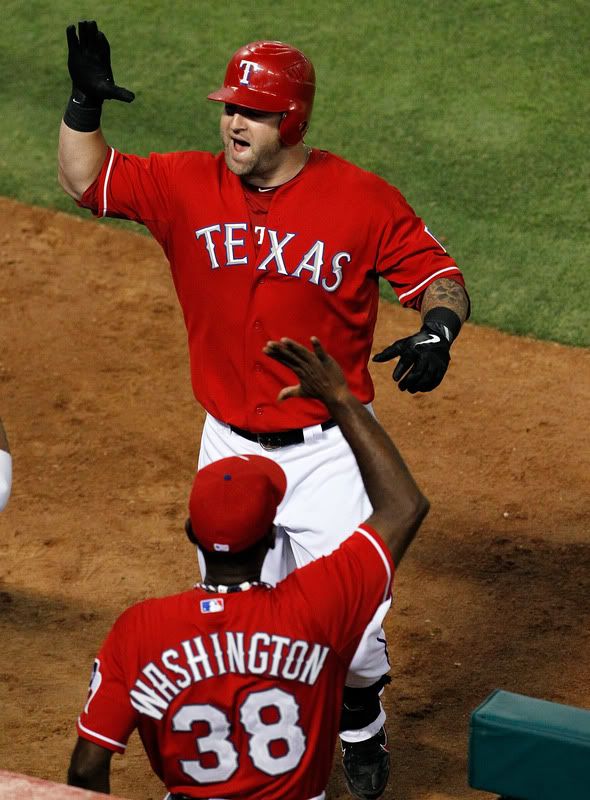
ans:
(89, 64)
(423, 357)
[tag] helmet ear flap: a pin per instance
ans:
(292, 127)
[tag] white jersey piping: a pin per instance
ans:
(106, 181)
(429, 278)
(100, 736)
(368, 536)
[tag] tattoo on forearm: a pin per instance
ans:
(447, 293)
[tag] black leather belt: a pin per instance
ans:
(272, 441)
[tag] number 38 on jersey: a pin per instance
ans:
(276, 743)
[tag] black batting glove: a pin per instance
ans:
(423, 357)
(89, 64)
(423, 361)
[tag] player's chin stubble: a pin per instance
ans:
(239, 168)
(257, 164)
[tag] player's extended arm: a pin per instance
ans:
(424, 357)
(398, 504)
(90, 767)
(82, 147)
(5, 468)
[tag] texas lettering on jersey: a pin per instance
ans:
(247, 267)
(194, 660)
(225, 237)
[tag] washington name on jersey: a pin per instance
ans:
(193, 660)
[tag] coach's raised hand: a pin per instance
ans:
(320, 375)
(89, 64)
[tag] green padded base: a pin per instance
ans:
(529, 749)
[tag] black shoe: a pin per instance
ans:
(366, 766)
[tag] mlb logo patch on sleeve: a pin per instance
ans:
(212, 606)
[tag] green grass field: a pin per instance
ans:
(477, 111)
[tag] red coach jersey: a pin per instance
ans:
(313, 268)
(238, 695)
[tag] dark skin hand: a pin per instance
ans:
(325, 380)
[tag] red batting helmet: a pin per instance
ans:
(272, 76)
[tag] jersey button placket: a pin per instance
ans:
(259, 340)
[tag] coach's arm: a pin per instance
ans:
(398, 504)
(82, 146)
(90, 767)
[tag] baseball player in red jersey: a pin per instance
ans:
(269, 238)
(5, 468)
(235, 686)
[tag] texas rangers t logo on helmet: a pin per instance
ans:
(247, 67)
(273, 77)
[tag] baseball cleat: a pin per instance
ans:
(366, 766)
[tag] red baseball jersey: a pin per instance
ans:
(238, 694)
(311, 268)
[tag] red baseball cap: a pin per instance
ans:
(234, 501)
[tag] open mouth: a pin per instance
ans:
(240, 145)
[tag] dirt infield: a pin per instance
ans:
(95, 396)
